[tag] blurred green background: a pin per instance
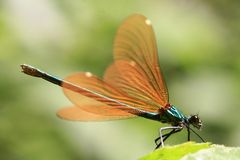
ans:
(198, 43)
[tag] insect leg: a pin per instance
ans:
(166, 128)
(168, 135)
(164, 137)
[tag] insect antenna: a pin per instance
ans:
(196, 133)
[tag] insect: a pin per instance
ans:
(132, 86)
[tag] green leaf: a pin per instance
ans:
(176, 152)
(216, 152)
(194, 151)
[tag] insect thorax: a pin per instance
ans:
(171, 115)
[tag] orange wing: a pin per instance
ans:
(136, 70)
(133, 85)
(90, 94)
(75, 113)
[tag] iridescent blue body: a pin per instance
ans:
(172, 115)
